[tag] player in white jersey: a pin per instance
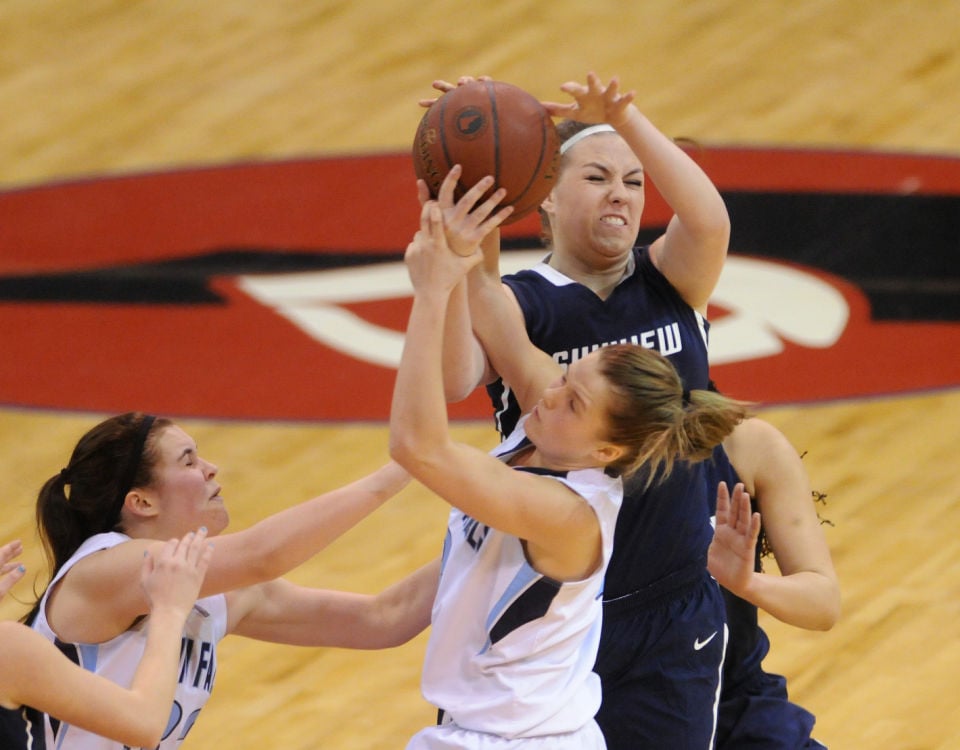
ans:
(662, 646)
(35, 676)
(117, 658)
(517, 618)
(135, 479)
(486, 662)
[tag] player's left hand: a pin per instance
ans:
(730, 558)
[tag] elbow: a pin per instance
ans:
(456, 392)
(831, 615)
(715, 220)
(145, 735)
(403, 449)
(828, 613)
(414, 451)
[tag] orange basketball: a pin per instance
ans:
(490, 128)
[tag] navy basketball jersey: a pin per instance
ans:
(748, 643)
(568, 321)
(662, 532)
(21, 729)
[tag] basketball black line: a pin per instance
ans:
(536, 172)
(442, 129)
(495, 122)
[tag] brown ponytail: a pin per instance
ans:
(86, 496)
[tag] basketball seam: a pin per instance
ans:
(535, 176)
(495, 117)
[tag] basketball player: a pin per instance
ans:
(134, 479)
(34, 676)
(754, 708)
(664, 632)
(516, 622)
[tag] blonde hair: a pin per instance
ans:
(655, 419)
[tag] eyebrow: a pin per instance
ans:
(576, 389)
(607, 170)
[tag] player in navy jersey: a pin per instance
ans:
(35, 677)
(664, 631)
(754, 707)
(516, 620)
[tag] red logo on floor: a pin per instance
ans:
(278, 291)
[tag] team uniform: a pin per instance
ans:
(754, 708)
(117, 660)
(21, 728)
(510, 658)
(664, 632)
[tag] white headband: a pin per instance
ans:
(585, 133)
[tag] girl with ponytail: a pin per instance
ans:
(516, 621)
(134, 481)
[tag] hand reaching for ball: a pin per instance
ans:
(594, 102)
(445, 86)
(466, 223)
(446, 246)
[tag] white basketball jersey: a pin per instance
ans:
(511, 651)
(117, 660)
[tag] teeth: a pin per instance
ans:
(616, 220)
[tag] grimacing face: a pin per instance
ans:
(596, 206)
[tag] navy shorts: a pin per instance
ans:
(660, 659)
(757, 713)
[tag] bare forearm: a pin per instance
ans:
(679, 179)
(281, 542)
(154, 683)
(464, 362)
(501, 330)
(300, 616)
(418, 413)
(406, 606)
(806, 599)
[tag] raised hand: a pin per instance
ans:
(430, 261)
(10, 572)
(444, 86)
(594, 101)
(173, 578)
(730, 558)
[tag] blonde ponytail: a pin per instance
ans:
(655, 419)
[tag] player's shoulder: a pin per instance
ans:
(756, 443)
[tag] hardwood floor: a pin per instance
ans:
(110, 86)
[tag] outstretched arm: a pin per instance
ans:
(102, 597)
(282, 612)
(33, 671)
(692, 252)
(807, 592)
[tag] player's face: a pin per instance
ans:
(185, 487)
(596, 206)
(569, 423)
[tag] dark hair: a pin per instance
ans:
(107, 462)
(655, 418)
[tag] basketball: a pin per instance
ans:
(489, 128)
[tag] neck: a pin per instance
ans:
(600, 279)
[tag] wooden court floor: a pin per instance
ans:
(109, 86)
